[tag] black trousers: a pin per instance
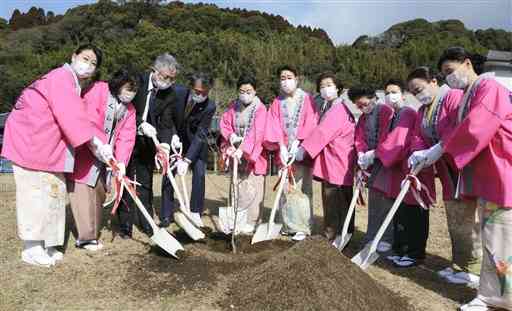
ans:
(197, 197)
(411, 231)
(335, 203)
(141, 170)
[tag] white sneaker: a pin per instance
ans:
(393, 257)
(463, 278)
(197, 219)
(474, 305)
(54, 253)
(405, 262)
(445, 272)
(299, 236)
(33, 253)
(94, 247)
(383, 247)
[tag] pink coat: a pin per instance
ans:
(96, 99)
(275, 133)
(482, 144)
(394, 152)
(48, 121)
(447, 121)
(252, 145)
(331, 145)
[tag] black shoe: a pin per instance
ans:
(125, 235)
(147, 231)
(165, 222)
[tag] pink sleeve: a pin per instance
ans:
(489, 108)
(417, 140)
(395, 147)
(273, 129)
(69, 110)
(331, 127)
(385, 118)
(360, 135)
(309, 118)
(226, 123)
(448, 118)
(125, 137)
(259, 133)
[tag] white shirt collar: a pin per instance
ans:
(150, 83)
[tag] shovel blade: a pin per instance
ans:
(192, 231)
(365, 257)
(263, 233)
(341, 241)
(167, 242)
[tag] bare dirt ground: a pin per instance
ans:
(133, 275)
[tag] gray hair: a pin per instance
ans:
(166, 61)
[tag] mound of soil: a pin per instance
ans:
(312, 275)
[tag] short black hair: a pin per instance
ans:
(394, 81)
(459, 54)
(121, 77)
(95, 49)
(354, 93)
(246, 79)
(206, 79)
(329, 75)
(288, 68)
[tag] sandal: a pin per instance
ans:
(91, 245)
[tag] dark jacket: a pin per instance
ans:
(193, 129)
(160, 115)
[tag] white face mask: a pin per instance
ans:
(457, 80)
(288, 86)
(161, 85)
(82, 69)
(245, 98)
(329, 92)
(127, 96)
(394, 99)
(368, 108)
(197, 98)
(425, 97)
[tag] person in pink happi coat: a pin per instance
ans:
(481, 149)
(371, 130)
(291, 118)
(110, 109)
(330, 145)
(436, 121)
(242, 128)
(48, 122)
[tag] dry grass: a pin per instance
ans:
(127, 275)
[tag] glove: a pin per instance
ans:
(182, 167)
(175, 142)
(299, 155)
(294, 147)
(365, 160)
(165, 148)
(433, 154)
(146, 129)
(283, 153)
(238, 154)
(234, 139)
(101, 151)
(417, 160)
(122, 170)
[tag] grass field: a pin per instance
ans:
(130, 275)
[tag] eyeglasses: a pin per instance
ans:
(165, 78)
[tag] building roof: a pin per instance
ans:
(499, 56)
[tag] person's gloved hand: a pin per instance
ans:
(176, 142)
(101, 151)
(433, 154)
(238, 154)
(365, 160)
(122, 170)
(234, 139)
(293, 148)
(147, 129)
(165, 148)
(417, 160)
(182, 167)
(283, 153)
(299, 155)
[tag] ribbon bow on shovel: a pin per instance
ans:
(119, 183)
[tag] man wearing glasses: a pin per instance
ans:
(154, 117)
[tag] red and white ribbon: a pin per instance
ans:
(119, 184)
(417, 189)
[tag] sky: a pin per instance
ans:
(344, 20)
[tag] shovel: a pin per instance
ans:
(342, 240)
(270, 230)
(160, 236)
(183, 218)
(368, 255)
